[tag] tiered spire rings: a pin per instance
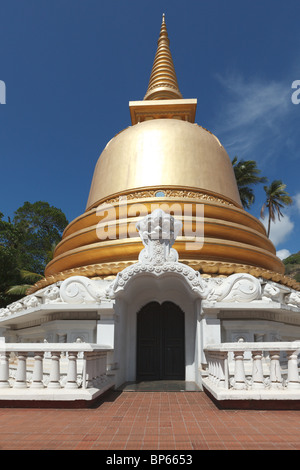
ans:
(163, 81)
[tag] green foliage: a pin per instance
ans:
(247, 174)
(26, 246)
(292, 259)
(41, 226)
(292, 266)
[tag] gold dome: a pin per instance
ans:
(163, 152)
(162, 163)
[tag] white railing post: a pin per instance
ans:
(37, 376)
(209, 361)
(89, 369)
(55, 370)
(239, 371)
(222, 369)
(275, 370)
(293, 374)
(72, 370)
(257, 371)
(4, 369)
(20, 381)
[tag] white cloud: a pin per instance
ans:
(252, 116)
(284, 253)
(280, 230)
(297, 201)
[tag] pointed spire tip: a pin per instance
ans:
(163, 82)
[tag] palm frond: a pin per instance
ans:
(29, 276)
(18, 290)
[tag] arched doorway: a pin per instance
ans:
(160, 342)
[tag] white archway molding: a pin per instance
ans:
(159, 276)
(158, 232)
(139, 292)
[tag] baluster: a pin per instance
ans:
(89, 370)
(275, 371)
(239, 371)
(213, 364)
(104, 362)
(257, 372)
(72, 370)
(215, 369)
(55, 370)
(97, 366)
(210, 370)
(222, 379)
(37, 376)
(293, 374)
(20, 381)
(4, 370)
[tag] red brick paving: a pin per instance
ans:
(149, 421)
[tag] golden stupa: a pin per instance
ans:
(164, 159)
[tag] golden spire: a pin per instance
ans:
(163, 82)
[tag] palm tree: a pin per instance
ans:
(28, 278)
(277, 198)
(247, 175)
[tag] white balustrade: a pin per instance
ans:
(4, 369)
(52, 366)
(217, 368)
(229, 368)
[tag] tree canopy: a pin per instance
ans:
(26, 244)
(247, 175)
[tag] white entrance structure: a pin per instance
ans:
(239, 309)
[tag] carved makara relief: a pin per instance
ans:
(240, 287)
(80, 289)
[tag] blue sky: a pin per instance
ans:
(71, 66)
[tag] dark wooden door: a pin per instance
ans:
(160, 342)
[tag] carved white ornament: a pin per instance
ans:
(293, 299)
(80, 289)
(271, 292)
(52, 294)
(158, 232)
(240, 287)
